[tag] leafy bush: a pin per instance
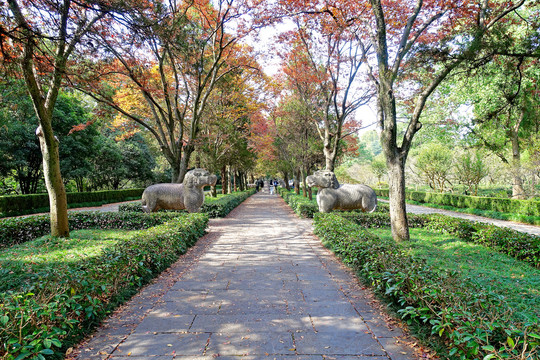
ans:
(50, 315)
(19, 230)
(25, 204)
(214, 207)
(300, 205)
(473, 322)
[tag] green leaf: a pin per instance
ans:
(490, 356)
(536, 336)
(4, 319)
(46, 352)
(24, 355)
(510, 342)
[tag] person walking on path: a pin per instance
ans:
(258, 285)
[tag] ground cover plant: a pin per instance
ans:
(473, 320)
(58, 289)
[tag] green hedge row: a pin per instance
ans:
(18, 230)
(214, 207)
(301, 205)
(522, 207)
(522, 246)
(18, 204)
(473, 322)
(57, 311)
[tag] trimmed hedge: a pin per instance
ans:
(473, 322)
(214, 207)
(18, 204)
(301, 206)
(18, 230)
(56, 311)
(522, 207)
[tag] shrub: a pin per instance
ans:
(25, 204)
(473, 322)
(19, 230)
(300, 205)
(51, 315)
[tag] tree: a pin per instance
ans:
(378, 166)
(435, 163)
(160, 68)
(470, 170)
(321, 68)
(19, 147)
(504, 100)
(41, 36)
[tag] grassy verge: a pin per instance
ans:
(505, 276)
(56, 290)
(472, 320)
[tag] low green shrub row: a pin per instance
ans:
(57, 310)
(301, 205)
(19, 204)
(214, 207)
(474, 323)
(18, 230)
(522, 207)
(522, 246)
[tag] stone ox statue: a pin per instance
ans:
(332, 195)
(188, 195)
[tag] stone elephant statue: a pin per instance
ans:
(333, 196)
(189, 195)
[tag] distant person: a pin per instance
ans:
(271, 183)
(276, 183)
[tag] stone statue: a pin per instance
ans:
(188, 195)
(332, 195)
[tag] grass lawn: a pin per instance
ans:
(53, 258)
(518, 282)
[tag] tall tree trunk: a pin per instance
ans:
(297, 182)
(517, 187)
(184, 162)
(329, 155)
(398, 213)
(224, 180)
(53, 181)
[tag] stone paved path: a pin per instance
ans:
(259, 285)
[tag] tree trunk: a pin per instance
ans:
(517, 187)
(297, 182)
(286, 179)
(184, 163)
(224, 180)
(330, 156)
(53, 182)
(398, 213)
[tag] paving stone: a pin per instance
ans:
(260, 344)
(159, 322)
(250, 323)
(342, 343)
(163, 344)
